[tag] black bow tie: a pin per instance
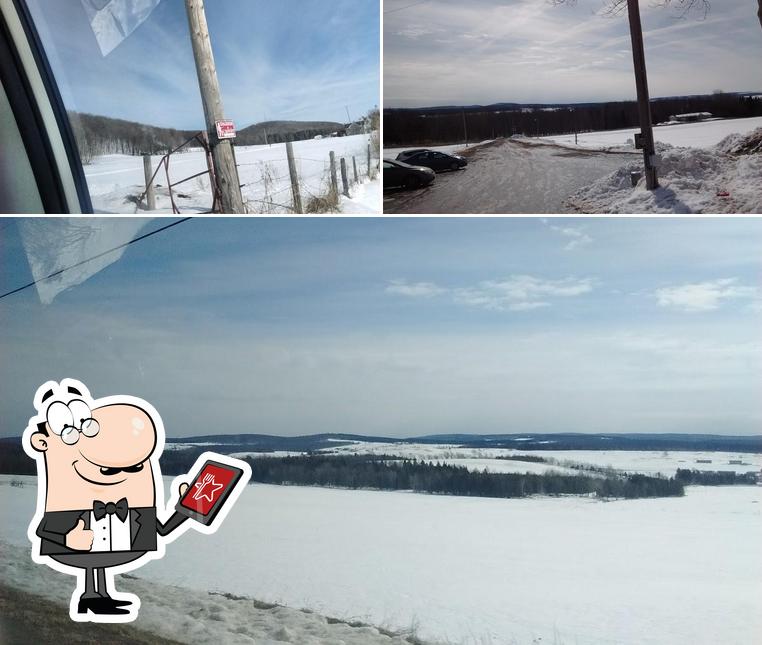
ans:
(121, 508)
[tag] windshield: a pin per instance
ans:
(127, 76)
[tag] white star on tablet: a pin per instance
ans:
(206, 483)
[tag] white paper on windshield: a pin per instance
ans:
(114, 20)
(55, 244)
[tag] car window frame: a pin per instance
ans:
(40, 113)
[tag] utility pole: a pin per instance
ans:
(645, 139)
(223, 155)
(465, 129)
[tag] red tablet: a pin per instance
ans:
(210, 489)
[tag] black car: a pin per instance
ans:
(433, 159)
(401, 174)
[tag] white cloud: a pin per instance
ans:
(577, 236)
(521, 292)
(704, 296)
(515, 293)
(414, 289)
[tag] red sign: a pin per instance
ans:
(208, 488)
(226, 130)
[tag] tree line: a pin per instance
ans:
(429, 126)
(380, 472)
(101, 135)
(715, 477)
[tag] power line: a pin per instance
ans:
(95, 257)
(408, 6)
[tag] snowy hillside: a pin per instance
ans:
(191, 616)
(117, 181)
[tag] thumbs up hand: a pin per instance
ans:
(79, 538)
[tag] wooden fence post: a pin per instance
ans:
(344, 179)
(334, 180)
(354, 167)
(368, 160)
(150, 194)
(294, 178)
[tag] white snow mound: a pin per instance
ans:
(725, 178)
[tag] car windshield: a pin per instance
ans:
(127, 76)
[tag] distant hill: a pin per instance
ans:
(14, 461)
(280, 131)
(101, 135)
(455, 124)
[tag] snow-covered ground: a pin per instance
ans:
(723, 178)
(685, 135)
(116, 181)
(365, 199)
(699, 172)
(646, 462)
(463, 570)
(186, 615)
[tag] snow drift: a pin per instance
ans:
(197, 617)
(724, 178)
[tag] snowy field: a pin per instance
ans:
(466, 570)
(116, 181)
(646, 462)
(685, 135)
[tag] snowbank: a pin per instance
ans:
(194, 616)
(724, 178)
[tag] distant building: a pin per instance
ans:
(691, 117)
(359, 127)
(703, 461)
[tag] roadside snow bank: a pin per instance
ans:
(194, 616)
(726, 178)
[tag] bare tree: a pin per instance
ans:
(683, 7)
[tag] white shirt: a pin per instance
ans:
(110, 533)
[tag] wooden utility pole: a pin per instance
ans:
(645, 139)
(223, 157)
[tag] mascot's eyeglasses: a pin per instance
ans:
(70, 420)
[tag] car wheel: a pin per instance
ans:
(454, 165)
(411, 182)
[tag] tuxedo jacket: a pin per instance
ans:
(144, 526)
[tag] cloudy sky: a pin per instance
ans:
(293, 59)
(442, 52)
(403, 327)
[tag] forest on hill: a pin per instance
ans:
(100, 135)
(429, 126)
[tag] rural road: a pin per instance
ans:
(510, 177)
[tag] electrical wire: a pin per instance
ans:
(95, 257)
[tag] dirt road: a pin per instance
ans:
(510, 176)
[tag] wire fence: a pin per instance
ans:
(279, 181)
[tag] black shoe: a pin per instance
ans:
(100, 606)
(117, 603)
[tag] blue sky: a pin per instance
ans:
(441, 52)
(295, 59)
(406, 327)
